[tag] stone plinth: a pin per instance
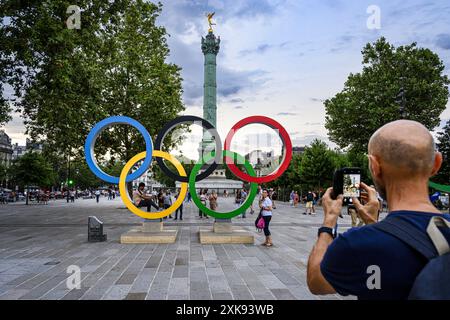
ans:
(225, 232)
(150, 232)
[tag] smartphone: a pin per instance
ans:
(347, 182)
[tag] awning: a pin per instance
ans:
(439, 187)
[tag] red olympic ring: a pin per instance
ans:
(284, 137)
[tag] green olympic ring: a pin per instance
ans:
(223, 215)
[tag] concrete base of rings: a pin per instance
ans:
(150, 232)
(154, 232)
(225, 232)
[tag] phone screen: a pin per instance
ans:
(352, 182)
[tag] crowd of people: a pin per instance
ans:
(309, 199)
(163, 198)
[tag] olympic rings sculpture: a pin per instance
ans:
(230, 158)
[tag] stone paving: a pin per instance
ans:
(39, 242)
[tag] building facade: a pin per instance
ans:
(6, 149)
(19, 151)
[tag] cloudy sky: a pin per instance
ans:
(282, 58)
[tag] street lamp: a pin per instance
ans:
(68, 177)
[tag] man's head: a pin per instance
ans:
(402, 151)
(141, 186)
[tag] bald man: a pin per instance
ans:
(402, 158)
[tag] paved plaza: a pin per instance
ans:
(39, 242)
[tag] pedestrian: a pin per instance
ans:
(296, 199)
(167, 202)
(213, 200)
(180, 208)
(203, 197)
(109, 194)
(237, 198)
(314, 203)
(161, 200)
(97, 195)
(291, 198)
(243, 198)
(266, 212)
(140, 199)
(309, 203)
(252, 211)
(189, 197)
(72, 196)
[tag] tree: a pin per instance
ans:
(360, 160)
(317, 166)
(340, 159)
(443, 146)
(5, 108)
(66, 80)
(369, 98)
(83, 177)
(32, 169)
(290, 180)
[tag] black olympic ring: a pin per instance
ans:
(189, 119)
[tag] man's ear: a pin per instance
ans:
(437, 163)
(374, 166)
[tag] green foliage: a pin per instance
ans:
(340, 159)
(82, 176)
(317, 166)
(360, 160)
(368, 100)
(67, 80)
(161, 177)
(291, 178)
(443, 146)
(32, 169)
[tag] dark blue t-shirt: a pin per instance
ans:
(346, 261)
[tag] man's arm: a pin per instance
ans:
(317, 283)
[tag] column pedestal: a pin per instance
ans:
(151, 231)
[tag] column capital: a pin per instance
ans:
(210, 44)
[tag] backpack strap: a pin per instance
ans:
(409, 234)
(440, 243)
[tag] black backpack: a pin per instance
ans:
(433, 281)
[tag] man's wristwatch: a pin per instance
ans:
(330, 231)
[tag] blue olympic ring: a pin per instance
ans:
(95, 132)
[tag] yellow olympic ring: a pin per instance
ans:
(124, 192)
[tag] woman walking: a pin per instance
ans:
(266, 213)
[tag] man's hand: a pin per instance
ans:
(369, 211)
(331, 208)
